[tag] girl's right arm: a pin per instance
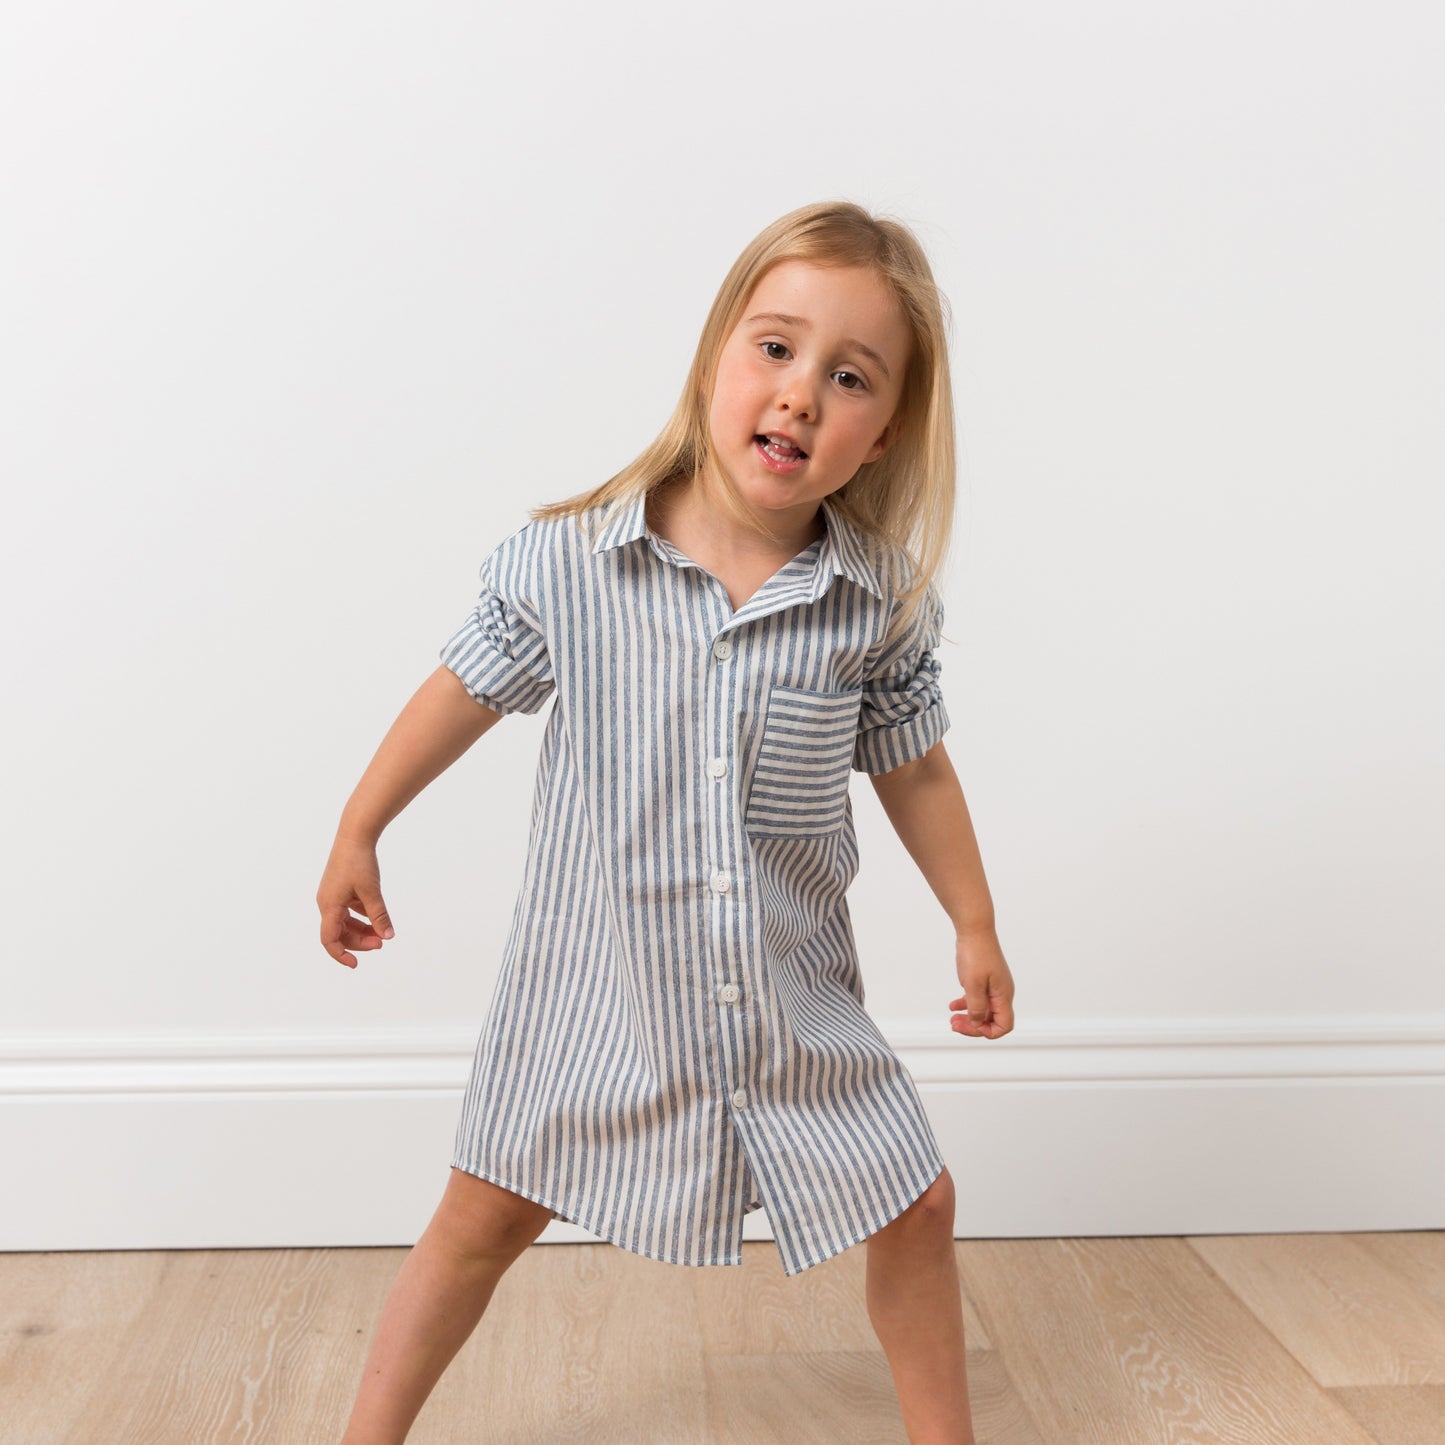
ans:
(433, 730)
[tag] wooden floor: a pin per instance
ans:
(1219, 1340)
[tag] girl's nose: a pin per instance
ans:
(796, 397)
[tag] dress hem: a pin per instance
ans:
(867, 1231)
(735, 1258)
(592, 1228)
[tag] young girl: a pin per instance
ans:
(729, 627)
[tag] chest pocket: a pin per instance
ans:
(800, 783)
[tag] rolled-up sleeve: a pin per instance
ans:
(902, 713)
(499, 652)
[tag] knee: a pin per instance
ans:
(936, 1202)
(480, 1219)
(932, 1210)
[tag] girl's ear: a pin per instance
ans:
(887, 436)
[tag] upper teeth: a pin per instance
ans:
(784, 442)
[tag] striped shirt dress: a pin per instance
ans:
(677, 1036)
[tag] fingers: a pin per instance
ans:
(337, 933)
(340, 931)
(375, 910)
(988, 1020)
(332, 933)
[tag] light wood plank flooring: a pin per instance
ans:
(1304, 1339)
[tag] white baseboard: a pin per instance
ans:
(1158, 1127)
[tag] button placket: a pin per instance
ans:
(729, 992)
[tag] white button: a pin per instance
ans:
(730, 993)
(740, 1097)
(720, 883)
(718, 767)
(722, 647)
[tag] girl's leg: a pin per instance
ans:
(915, 1304)
(440, 1293)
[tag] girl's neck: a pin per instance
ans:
(679, 510)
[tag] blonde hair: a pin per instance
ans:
(906, 496)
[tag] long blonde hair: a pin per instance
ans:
(906, 496)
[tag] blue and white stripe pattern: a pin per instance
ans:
(678, 1035)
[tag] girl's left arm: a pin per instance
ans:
(925, 804)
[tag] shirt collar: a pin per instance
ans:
(844, 551)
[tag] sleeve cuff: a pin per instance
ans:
(500, 682)
(881, 749)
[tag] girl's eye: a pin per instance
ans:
(860, 384)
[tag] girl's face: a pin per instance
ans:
(817, 359)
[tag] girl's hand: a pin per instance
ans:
(988, 988)
(352, 881)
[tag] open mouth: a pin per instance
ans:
(780, 452)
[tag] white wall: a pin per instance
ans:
(305, 305)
